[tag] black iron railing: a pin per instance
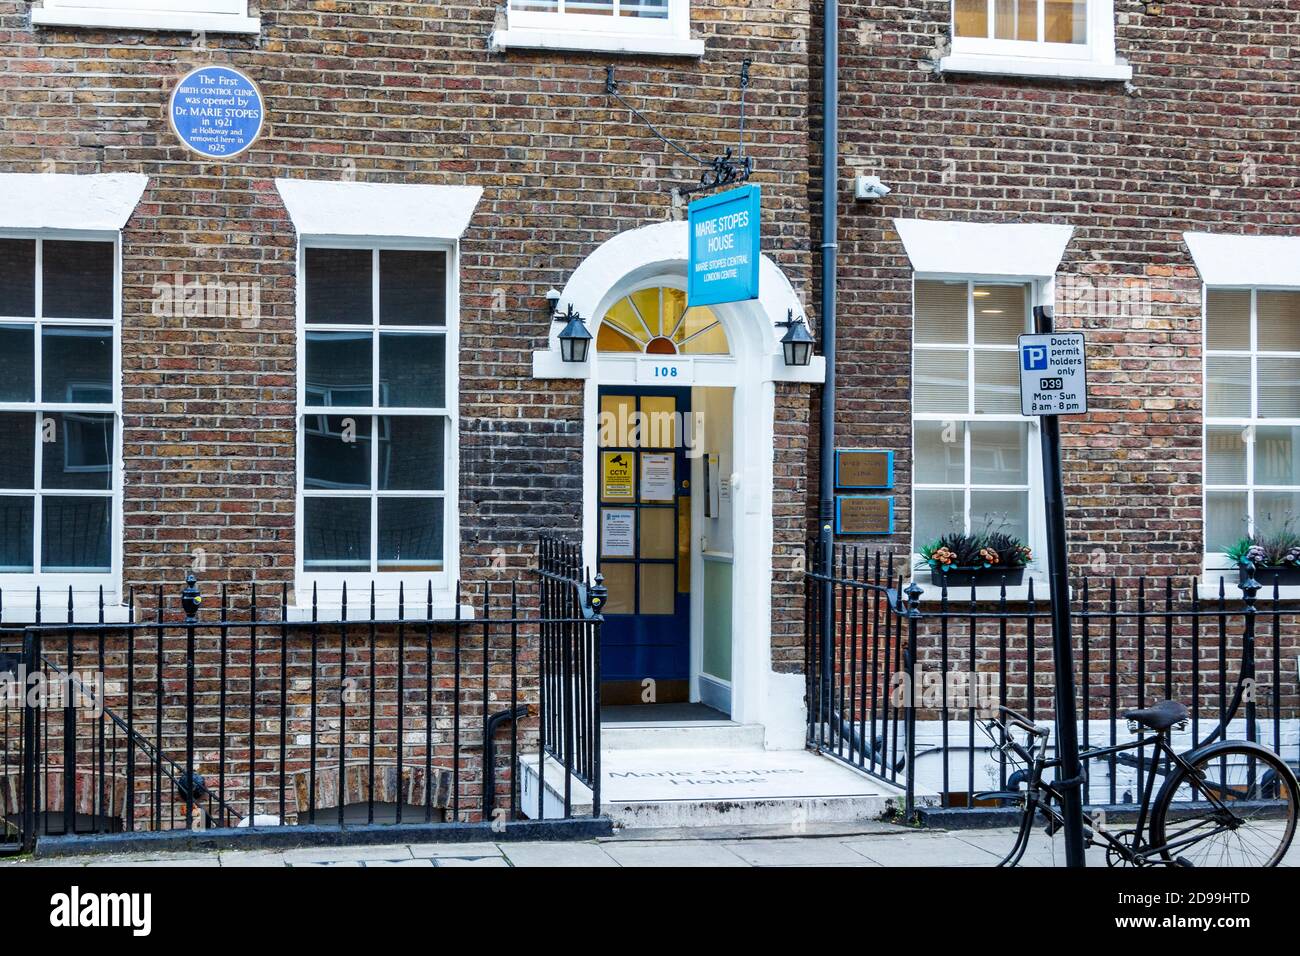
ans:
(570, 668)
(898, 690)
(254, 714)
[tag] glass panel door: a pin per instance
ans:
(643, 530)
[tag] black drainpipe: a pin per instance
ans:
(830, 210)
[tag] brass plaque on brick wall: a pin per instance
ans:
(860, 468)
(864, 514)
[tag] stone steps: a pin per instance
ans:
(700, 786)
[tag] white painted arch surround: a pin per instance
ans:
(657, 255)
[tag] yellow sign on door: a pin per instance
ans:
(617, 471)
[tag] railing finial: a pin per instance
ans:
(597, 594)
(914, 592)
(191, 599)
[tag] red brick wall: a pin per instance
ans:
(1203, 139)
(792, 440)
(385, 94)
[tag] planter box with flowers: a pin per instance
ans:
(990, 559)
(1273, 557)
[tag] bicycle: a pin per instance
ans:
(1230, 803)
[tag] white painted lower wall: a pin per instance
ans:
(785, 716)
(929, 760)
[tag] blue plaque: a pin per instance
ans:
(216, 111)
(724, 247)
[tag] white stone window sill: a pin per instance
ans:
(20, 612)
(503, 40)
(1208, 588)
(145, 20)
(415, 612)
(991, 65)
(932, 594)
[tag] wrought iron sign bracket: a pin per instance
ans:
(724, 170)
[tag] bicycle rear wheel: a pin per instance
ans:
(1236, 807)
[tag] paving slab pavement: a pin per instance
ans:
(665, 853)
(557, 854)
(798, 852)
(869, 845)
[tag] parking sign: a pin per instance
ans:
(1053, 374)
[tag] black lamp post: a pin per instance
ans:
(575, 340)
(797, 343)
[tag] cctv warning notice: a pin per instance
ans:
(1053, 374)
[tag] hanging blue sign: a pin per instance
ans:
(216, 111)
(724, 249)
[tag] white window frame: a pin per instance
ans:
(212, 16)
(328, 586)
(19, 587)
(1040, 292)
(1218, 560)
(561, 30)
(1093, 59)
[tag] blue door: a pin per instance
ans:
(644, 534)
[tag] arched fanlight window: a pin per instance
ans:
(657, 322)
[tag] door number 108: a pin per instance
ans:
(665, 371)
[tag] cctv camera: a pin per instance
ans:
(869, 187)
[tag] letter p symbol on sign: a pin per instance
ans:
(1034, 357)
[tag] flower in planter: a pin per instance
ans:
(942, 556)
(1276, 548)
(1011, 551)
(955, 550)
(975, 552)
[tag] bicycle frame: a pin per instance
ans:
(1039, 794)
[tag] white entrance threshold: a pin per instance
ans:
(701, 787)
(681, 735)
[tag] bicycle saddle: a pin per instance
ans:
(1159, 716)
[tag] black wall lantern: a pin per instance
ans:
(575, 340)
(797, 343)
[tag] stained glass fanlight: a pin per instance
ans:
(656, 322)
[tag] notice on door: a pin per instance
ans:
(617, 533)
(657, 477)
(616, 476)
